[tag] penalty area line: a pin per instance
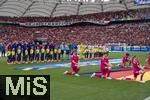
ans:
(147, 98)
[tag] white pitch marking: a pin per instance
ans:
(147, 98)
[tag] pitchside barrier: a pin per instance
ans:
(130, 48)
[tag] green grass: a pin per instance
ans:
(65, 87)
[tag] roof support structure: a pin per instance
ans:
(3, 2)
(100, 2)
(124, 3)
(102, 7)
(78, 8)
(54, 9)
(28, 8)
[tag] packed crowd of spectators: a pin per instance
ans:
(102, 16)
(131, 34)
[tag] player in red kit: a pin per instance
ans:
(137, 69)
(125, 60)
(148, 61)
(74, 64)
(105, 68)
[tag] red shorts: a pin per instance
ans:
(75, 69)
(136, 72)
(104, 71)
(124, 62)
(148, 62)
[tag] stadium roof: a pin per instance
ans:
(53, 8)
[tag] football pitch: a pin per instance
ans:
(64, 87)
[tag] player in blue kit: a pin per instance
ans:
(42, 54)
(31, 54)
(13, 56)
(26, 55)
(37, 55)
(19, 51)
(47, 57)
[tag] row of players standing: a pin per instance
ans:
(91, 51)
(30, 52)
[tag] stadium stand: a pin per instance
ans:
(131, 34)
(27, 11)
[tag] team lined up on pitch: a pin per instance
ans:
(33, 54)
(26, 52)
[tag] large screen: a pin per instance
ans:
(142, 1)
